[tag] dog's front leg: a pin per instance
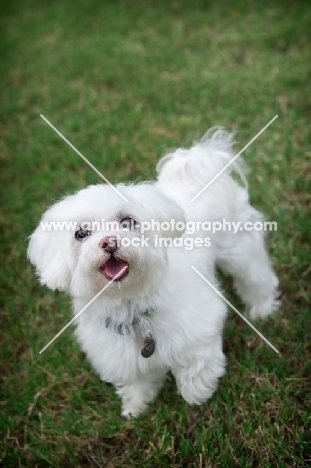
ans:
(136, 395)
(197, 380)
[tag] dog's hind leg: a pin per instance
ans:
(244, 256)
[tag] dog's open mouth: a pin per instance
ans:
(115, 269)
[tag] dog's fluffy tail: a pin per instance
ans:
(197, 166)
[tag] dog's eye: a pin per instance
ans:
(127, 223)
(82, 234)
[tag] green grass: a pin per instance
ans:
(126, 81)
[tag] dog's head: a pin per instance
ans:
(93, 237)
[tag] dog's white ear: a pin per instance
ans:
(50, 252)
(160, 207)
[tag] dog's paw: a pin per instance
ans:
(130, 412)
(134, 399)
(262, 310)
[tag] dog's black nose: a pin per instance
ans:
(109, 243)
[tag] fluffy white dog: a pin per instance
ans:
(157, 314)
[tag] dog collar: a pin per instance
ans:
(125, 329)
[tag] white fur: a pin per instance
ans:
(187, 315)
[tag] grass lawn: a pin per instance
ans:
(126, 81)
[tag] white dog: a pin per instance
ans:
(157, 315)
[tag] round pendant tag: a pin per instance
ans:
(148, 347)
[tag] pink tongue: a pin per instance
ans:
(114, 267)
